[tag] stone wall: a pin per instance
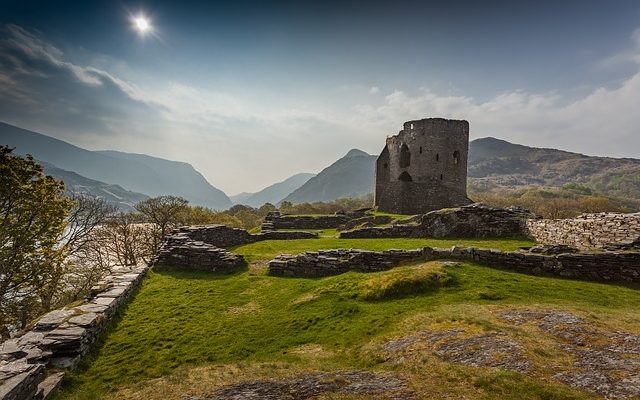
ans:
(224, 237)
(61, 338)
(274, 220)
(182, 252)
(587, 231)
(473, 221)
(596, 266)
(333, 262)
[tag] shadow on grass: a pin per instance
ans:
(180, 273)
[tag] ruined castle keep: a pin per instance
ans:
(424, 167)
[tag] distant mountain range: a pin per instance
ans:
(273, 194)
(135, 172)
(494, 164)
(79, 185)
(350, 176)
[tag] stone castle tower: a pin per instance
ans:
(424, 167)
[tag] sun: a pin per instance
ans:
(141, 24)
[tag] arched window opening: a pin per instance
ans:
(405, 156)
(420, 149)
(405, 177)
(441, 177)
(456, 157)
(437, 156)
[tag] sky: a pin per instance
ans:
(252, 92)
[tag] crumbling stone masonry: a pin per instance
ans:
(182, 252)
(597, 266)
(472, 221)
(274, 220)
(589, 231)
(224, 237)
(202, 247)
(61, 338)
(424, 167)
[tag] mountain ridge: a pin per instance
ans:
(349, 176)
(275, 193)
(132, 173)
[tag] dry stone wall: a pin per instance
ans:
(597, 266)
(61, 338)
(334, 262)
(274, 220)
(224, 237)
(473, 221)
(182, 252)
(587, 231)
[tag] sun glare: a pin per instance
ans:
(141, 24)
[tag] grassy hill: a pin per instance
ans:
(191, 334)
(498, 164)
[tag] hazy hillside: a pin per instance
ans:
(495, 164)
(240, 197)
(350, 176)
(76, 184)
(148, 175)
(275, 193)
(178, 178)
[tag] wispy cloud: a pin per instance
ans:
(243, 142)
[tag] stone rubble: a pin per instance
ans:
(182, 252)
(60, 338)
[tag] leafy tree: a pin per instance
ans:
(32, 218)
(164, 212)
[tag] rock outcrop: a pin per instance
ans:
(472, 221)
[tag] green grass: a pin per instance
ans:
(184, 320)
(268, 249)
(323, 233)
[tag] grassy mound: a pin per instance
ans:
(404, 282)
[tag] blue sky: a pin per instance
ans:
(253, 92)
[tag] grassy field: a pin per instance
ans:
(187, 333)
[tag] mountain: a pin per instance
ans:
(350, 176)
(79, 185)
(498, 164)
(275, 193)
(177, 178)
(149, 175)
(240, 197)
